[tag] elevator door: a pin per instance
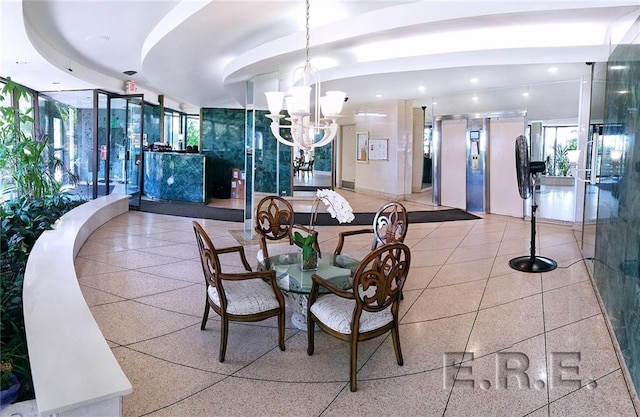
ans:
(476, 139)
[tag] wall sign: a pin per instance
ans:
(362, 146)
(379, 149)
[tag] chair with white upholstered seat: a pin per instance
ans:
(246, 296)
(369, 310)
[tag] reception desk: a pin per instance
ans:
(174, 176)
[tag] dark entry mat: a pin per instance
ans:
(324, 219)
(427, 216)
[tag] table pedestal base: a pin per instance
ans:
(299, 316)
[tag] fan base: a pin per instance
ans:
(537, 264)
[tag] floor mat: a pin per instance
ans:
(426, 216)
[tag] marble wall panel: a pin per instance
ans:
(617, 247)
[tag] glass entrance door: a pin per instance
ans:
(120, 125)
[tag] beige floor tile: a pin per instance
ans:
(568, 304)
(234, 396)
(423, 347)
(104, 233)
(199, 349)
(440, 242)
(86, 267)
(188, 299)
(501, 264)
(564, 254)
(329, 362)
(130, 241)
(181, 250)
(586, 345)
(176, 236)
(500, 327)
(132, 259)
(129, 322)
(510, 287)
(131, 283)
(473, 239)
(456, 273)
(158, 383)
(435, 303)
(420, 277)
(608, 397)
(448, 229)
(411, 395)
(92, 247)
(431, 257)
(518, 247)
(472, 253)
(189, 270)
(563, 276)
(95, 297)
(508, 383)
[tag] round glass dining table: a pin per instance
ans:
(296, 283)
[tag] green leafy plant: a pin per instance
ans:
(23, 221)
(37, 203)
(26, 165)
(305, 243)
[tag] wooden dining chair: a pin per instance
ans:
(275, 221)
(245, 297)
(367, 311)
(390, 224)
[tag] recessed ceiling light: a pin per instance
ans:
(474, 99)
(422, 88)
(618, 67)
(474, 80)
(379, 95)
(525, 94)
(130, 72)
(552, 69)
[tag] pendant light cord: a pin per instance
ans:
(307, 61)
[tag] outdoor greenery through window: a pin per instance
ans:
(558, 140)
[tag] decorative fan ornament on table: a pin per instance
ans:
(527, 173)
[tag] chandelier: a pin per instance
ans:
(305, 132)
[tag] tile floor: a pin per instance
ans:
(536, 344)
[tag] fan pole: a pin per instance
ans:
(533, 263)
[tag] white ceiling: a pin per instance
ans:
(201, 53)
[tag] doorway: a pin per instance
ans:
(118, 135)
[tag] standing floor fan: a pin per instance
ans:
(528, 173)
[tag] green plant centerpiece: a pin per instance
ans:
(339, 209)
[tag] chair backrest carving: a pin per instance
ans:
(274, 218)
(208, 256)
(380, 276)
(390, 224)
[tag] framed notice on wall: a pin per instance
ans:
(362, 146)
(378, 149)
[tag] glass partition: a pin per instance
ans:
(66, 119)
